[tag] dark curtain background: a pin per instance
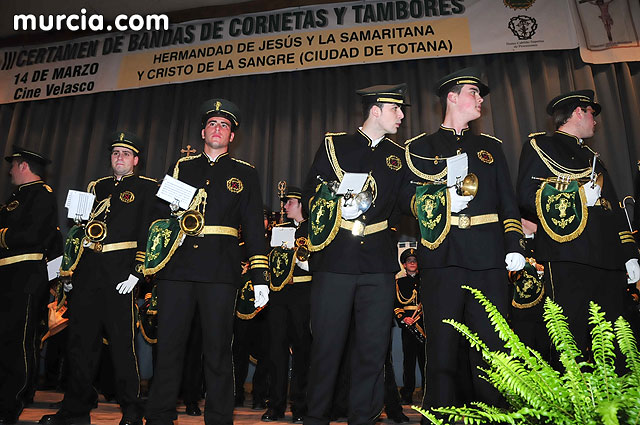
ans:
(285, 115)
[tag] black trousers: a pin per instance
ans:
(19, 314)
(412, 351)
(335, 298)
(443, 298)
(391, 397)
(251, 338)
(177, 303)
(573, 285)
(97, 310)
(289, 326)
(192, 380)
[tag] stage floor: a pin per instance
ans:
(109, 412)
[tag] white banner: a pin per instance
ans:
(284, 40)
(608, 30)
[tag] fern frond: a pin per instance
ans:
(603, 351)
(629, 348)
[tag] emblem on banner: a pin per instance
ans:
(523, 27)
(281, 264)
(434, 214)
(562, 213)
(519, 4)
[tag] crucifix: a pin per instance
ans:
(188, 151)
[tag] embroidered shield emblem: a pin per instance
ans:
(394, 162)
(127, 197)
(485, 157)
(234, 185)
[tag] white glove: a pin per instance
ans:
(261, 295)
(350, 209)
(633, 270)
(515, 261)
(592, 193)
(127, 286)
(67, 286)
(304, 265)
(458, 202)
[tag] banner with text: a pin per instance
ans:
(284, 40)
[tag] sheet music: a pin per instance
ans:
(53, 267)
(176, 192)
(457, 168)
(352, 182)
(79, 204)
(283, 236)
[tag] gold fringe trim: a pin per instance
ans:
(174, 247)
(553, 235)
(287, 280)
(531, 304)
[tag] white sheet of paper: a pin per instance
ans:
(457, 168)
(283, 235)
(53, 267)
(352, 182)
(176, 192)
(79, 204)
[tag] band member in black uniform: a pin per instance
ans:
(28, 220)
(102, 301)
(353, 274)
(472, 239)
(408, 311)
(583, 238)
(204, 270)
(288, 320)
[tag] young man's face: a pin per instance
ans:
(217, 133)
(587, 124)
(469, 102)
(411, 265)
(16, 172)
(123, 161)
(293, 207)
(390, 118)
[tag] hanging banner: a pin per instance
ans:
(284, 40)
(608, 30)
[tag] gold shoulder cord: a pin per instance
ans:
(557, 169)
(405, 301)
(425, 176)
(333, 160)
(103, 206)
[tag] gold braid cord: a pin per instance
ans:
(557, 169)
(414, 169)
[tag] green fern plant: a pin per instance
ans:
(584, 394)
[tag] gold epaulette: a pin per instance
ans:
(539, 133)
(47, 187)
(148, 178)
(414, 138)
(491, 137)
(243, 162)
(335, 134)
(92, 184)
(286, 223)
(176, 169)
(394, 143)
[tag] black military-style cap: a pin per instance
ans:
(293, 193)
(385, 94)
(572, 100)
(463, 76)
(411, 252)
(19, 152)
(220, 108)
(125, 139)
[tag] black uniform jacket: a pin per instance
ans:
(29, 225)
(479, 247)
(127, 220)
(233, 200)
(407, 297)
(600, 243)
(376, 252)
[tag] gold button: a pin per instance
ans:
(361, 242)
(207, 183)
(195, 245)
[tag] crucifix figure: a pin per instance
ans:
(188, 151)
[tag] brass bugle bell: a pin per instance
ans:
(302, 249)
(468, 186)
(95, 231)
(192, 222)
(564, 182)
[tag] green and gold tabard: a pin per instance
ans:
(148, 317)
(528, 288)
(282, 262)
(324, 217)
(245, 307)
(562, 213)
(433, 210)
(164, 239)
(72, 250)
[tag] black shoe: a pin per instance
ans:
(406, 400)
(192, 409)
(11, 416)
(297, 419)
(272, 415)
(398, 417)
(124, 421)
(64, 418)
